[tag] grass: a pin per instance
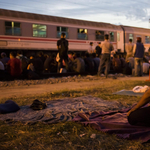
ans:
(50, 137)
(40, 136)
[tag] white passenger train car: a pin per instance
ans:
(134, 32)
(27, 31)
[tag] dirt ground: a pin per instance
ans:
(17, 91)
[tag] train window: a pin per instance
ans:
(147, 39)
(61, 30)
(82, 34)
(131, 36)
(111, 34)
(99, 35)
(118, 37)
(39, 30)
(12, 28)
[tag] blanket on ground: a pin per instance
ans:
(59, 110)
(114, 122)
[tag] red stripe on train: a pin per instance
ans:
(48, 40)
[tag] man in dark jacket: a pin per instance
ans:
(138, 52)
(62, 46)
(98, 50)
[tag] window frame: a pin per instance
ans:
(86, 34)
(67, 37)
(103, 35)
(12, 28)
(132, 36)
(113, 36)
(38, 34)
(145, 39)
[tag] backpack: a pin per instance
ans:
(63, 47)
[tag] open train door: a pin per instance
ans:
(120, 41)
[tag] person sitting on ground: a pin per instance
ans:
(131, 62)
(4, 59)
(41, 56)
(35, 64)
(123, 62)
(14, 65)
(147, 56)
(89, 64)
(116, 64)
(2, 66)
(54, 63)
(78, 64)
(2, 69)
(24, 61)
(48, 64)
(96, 61)
(127, 70)
(145, 66)
(140, 115)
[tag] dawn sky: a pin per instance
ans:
(131, 13)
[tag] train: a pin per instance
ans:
(29, 31)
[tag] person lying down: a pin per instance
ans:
(140, 115)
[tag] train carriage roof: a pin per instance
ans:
(32, 16)
(137, 30)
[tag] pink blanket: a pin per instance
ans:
(114, 122)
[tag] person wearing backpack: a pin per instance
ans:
(62, 46)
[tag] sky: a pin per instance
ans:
(120, 12)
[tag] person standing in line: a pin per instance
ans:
(138, 52)
(62, 46)
(90, 50)
(107, 47)
(129, 49)
(98, 50)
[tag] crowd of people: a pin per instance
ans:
(101, 60)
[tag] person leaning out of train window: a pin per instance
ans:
(138, 52)
(14, 65)
(90, 49)
(62, 46)
(140, 115)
